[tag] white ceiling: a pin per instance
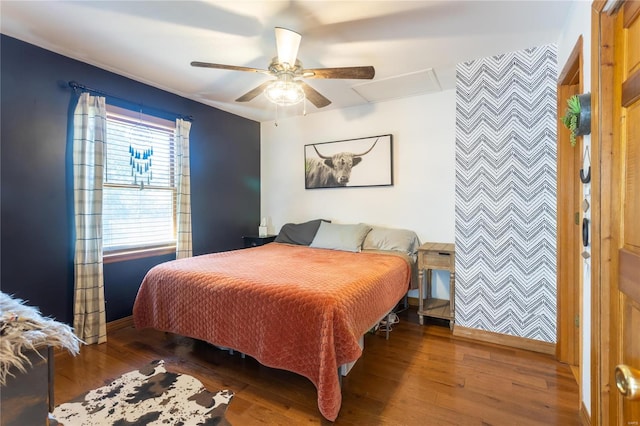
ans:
(155, 41)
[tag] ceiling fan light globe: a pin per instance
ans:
(284, 93)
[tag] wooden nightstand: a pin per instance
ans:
(255, 241)
(436, 256)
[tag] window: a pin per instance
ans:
(139, 193)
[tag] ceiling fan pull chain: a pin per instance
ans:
(304, 104)
(276, 122)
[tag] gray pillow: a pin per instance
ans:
(392, 239)
(299, 233)
(340, 237)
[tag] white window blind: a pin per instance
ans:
(139, 190)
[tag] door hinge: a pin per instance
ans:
(577, 321)
(576, 218)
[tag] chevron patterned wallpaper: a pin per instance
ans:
(506, 193)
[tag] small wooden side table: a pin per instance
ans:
(436, 256)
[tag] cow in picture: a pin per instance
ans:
(332, 171)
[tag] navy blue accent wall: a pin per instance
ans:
(36, 248)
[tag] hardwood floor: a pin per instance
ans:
(421, 376)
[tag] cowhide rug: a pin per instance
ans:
(149, 396)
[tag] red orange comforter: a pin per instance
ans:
(291, 307)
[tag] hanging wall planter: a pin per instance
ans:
(584, 122)
(577, 117)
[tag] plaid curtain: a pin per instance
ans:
(183, 185)
(89, 136)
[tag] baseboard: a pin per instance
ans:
(412, 301)
(575, 370)
(119, 323)
(505, 340)
(111, 327)
(585, 418)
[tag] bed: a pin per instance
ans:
(302, 308)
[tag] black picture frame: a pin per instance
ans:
(349, 163)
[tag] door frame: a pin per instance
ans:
(569, 191)
(604, 244)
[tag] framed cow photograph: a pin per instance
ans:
(349, 163)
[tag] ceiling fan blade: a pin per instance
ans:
(287, 44)
(227, 67)
(254, 92)
(314, 96)
(365, 73)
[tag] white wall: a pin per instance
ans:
(422, 196)
(579, 23)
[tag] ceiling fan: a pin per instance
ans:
(288, 87)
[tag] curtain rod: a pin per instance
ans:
(77, 86)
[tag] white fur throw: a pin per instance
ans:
(22, 328)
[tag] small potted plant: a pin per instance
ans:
(578, 116)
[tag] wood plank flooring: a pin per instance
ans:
(421, 376)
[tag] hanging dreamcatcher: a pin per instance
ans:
(140, 162)
(140, 158)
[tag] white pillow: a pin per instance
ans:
(392, 239)
(340, 237)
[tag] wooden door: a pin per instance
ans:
(625, 300)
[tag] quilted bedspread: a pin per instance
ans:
(290, 307)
